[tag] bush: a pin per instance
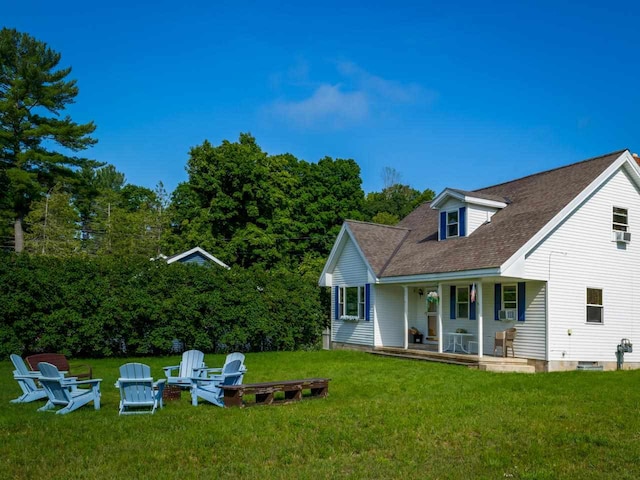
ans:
(108, 306)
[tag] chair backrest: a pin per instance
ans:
(501, 335)
(136, 383)
(229, 368)
(232, 357)
(57, 359)
(190, 359)
(21, 367)
(510, 334)
(51, 381)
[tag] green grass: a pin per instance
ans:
(384, 418)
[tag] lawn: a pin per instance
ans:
(384, 418)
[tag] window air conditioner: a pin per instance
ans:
(623, 236)
(507, 315)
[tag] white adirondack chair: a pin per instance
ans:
(192, 365)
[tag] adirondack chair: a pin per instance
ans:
(210, 373)
(64, 392)
(138, 392)
(81, 372)
(26, 379)
(209, 388)
(191, 366)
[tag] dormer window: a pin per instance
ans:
(452, 224)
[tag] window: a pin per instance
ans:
(620, 219)
(509, 297)
(452, 224)
(462, 302)
(351, 302)
(594, 305)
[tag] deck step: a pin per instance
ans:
(425, 358)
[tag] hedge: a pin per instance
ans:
(103, 307)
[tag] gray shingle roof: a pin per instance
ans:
(412, 247)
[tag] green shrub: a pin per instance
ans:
(106, 306)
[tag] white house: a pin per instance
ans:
(197, 256)
(554, 254)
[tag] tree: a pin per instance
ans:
(33, 93)
(396, 202)
(53, 223)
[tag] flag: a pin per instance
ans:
(473, 293)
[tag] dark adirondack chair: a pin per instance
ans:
(81, 372)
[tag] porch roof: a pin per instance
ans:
(412, 247)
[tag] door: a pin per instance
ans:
(432, 320)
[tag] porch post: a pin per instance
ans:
(406, 317)
(480, 317)
(440, 331)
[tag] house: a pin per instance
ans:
(196, 255)
(554, 254)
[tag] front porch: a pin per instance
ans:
(485, 363)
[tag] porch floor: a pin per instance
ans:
(429, 353)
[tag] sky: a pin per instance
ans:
(449, 94)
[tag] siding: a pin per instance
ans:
(350, 270)
(390, 330)
(591, 259)
(477, 215)
(530, 337)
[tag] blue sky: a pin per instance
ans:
(459, 94)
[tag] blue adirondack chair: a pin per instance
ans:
(26, 379)
(211, 372)
(138, 392)
(191, 366)
(64, 392)
(209, 388)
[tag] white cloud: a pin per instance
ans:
(358, 96)
(328, 103)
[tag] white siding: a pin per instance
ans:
(580, 254)
(389, 314)
(350, 270)
(477, 215)
(530, 336)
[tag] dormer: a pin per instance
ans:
(462, 212)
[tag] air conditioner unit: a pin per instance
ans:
(507, 315)
(622, 236)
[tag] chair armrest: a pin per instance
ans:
(167, 370)
(160, 382)
(95, 381)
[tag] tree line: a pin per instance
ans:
(242, 204)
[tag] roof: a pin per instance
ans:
(198, 251)
(412, 247)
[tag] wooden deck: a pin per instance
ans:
(486, 363)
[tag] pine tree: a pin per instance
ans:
(33, 92)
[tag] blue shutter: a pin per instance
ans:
(462, 222)
(521, 301)
(472, 305)
(497, 303)
(452, 302)
(336, 304)
(443, 225)
(367, 301)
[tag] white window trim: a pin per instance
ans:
(623, 227)
(342, 295)
(601, 322)
(504, 286)
(457, 223)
